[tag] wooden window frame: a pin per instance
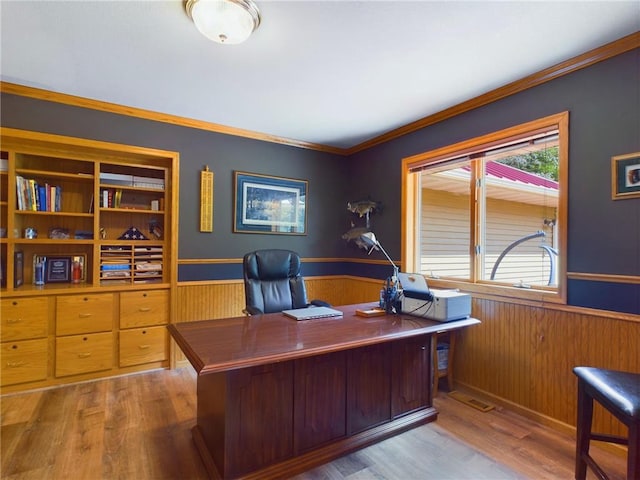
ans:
(430, 159)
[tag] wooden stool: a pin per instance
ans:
(619, 393)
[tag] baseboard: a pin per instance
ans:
(538, 417)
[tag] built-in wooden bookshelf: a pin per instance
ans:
(88, 228)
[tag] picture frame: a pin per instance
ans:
(58, 276)
(625, 176)
(57, 269)
(18, 268)
(268, 204)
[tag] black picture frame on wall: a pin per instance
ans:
(267, 204)
(625, 176)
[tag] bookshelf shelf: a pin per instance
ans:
(55, 214)
(103, 190)
(52, 241)
(82, 298)
(76, 177)
(130, 210)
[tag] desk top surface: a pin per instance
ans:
(230, 343)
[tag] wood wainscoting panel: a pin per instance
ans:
(343, 290)
(223, 299)
(522, 356)
(209, 300)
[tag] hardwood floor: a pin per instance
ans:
(139, 427)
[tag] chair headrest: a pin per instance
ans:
(271, 264)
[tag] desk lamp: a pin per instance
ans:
(390, 297)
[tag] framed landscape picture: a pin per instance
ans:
(625, 176)
(266, 204)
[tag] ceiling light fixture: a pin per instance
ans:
(224, 21)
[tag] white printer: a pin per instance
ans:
(440, 305)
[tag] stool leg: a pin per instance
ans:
(633, 455)
(583, 433)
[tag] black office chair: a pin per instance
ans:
(272, 282)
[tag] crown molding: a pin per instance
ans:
(592, 57)
(76, 101)
(617, 47)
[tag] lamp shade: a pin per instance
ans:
(224, 21)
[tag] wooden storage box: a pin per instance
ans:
(84, 313)
(143, 345)
(84, 353)
(143, 308)
(24, 361)
(24, 318)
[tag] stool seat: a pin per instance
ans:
(619, 390)
(619, 393)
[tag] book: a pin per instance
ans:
(371, 312)
(114, 266)
(116, 179)
(149, 182)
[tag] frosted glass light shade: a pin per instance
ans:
(224, 21)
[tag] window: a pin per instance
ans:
(489, 214)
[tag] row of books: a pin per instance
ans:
(116, 198)
(131, 181)
(38, 197)
(111, 198)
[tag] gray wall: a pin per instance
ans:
(604, 120)
(326, 174)
(603, 236)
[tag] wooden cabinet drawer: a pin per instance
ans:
(24, 318)
(24, 361)
(84, 353)
(143, 345)
(143, 308)
(84, 313)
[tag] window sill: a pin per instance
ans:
(500, 292)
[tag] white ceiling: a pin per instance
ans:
(334, 73)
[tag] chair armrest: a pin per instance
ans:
(252, 311)
(320, 303)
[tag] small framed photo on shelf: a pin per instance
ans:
(18, 268)
(63, 269)
(57, 270)
(625, 176)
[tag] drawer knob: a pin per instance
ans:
(15, 364)
(15, 347)
(144, 309)
(14, 303)
(84, 355)
(144, 294)
(86, 299)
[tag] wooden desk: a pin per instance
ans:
(277, 397)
